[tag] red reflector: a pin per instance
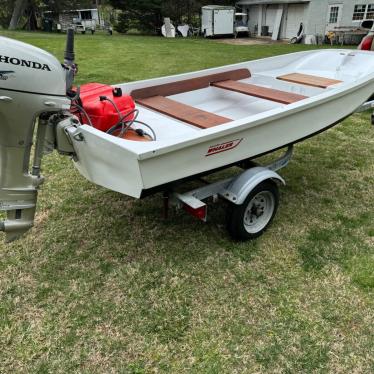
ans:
(199, 213)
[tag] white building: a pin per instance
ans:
(89, 18)
(318, 16)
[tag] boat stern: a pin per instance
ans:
(106, 161)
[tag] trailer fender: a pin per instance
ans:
(240, 187)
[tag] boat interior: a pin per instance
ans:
(216, 99)
(164, 98)
(186, 106)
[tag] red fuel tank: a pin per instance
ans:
(102, 113)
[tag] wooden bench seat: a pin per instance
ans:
(309, 80)
(278, 96)
(186, 85)
(183, 112)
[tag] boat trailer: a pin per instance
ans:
(253, 194)
(253, 197)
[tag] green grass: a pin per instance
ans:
(103, 284)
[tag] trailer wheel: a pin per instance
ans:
(250, 219)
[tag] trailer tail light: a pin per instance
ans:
(201, 212)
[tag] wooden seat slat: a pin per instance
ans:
(186, 85)
(309, 80)
(271, 94)
(183, 112)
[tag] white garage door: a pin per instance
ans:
(253, 18)
(271, 11)
(295, 15)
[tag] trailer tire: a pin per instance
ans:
(250, 219)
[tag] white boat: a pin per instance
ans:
(196, 123)
(209, 119)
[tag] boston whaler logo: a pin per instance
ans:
(4, 74)
(223, 147)
(19, 62)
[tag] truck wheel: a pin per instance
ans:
(250, 219)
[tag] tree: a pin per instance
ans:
(30, 8)
(148, 15)
(19, 8)
(6, 9)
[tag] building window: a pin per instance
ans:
(362, 11)
(370, 12)
(334, 12)
(86, 15)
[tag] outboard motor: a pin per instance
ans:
(33, 87)
(38, 100)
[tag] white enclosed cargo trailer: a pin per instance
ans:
(217, 20)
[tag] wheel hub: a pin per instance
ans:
(259, 211)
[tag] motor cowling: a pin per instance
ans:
(29, 69)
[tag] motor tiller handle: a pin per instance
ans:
(69, 55)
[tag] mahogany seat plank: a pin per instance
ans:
(186, 85)
(183, 112)
(309, 80)
(278, 96)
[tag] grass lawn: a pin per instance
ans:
(103, 284)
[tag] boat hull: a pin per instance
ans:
(131, 169)
(115, 168)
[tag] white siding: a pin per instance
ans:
(294, 15)
(271, 11)
(253, 18)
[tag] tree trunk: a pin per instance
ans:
(19, 8)
(32, 23)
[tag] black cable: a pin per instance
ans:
(121, 118)
(116, 126)
(84, 112)
(124, 124)
(127, 123)
(149, 127)
(102, 98)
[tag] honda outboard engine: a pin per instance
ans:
(32, 89)
(38, 102)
